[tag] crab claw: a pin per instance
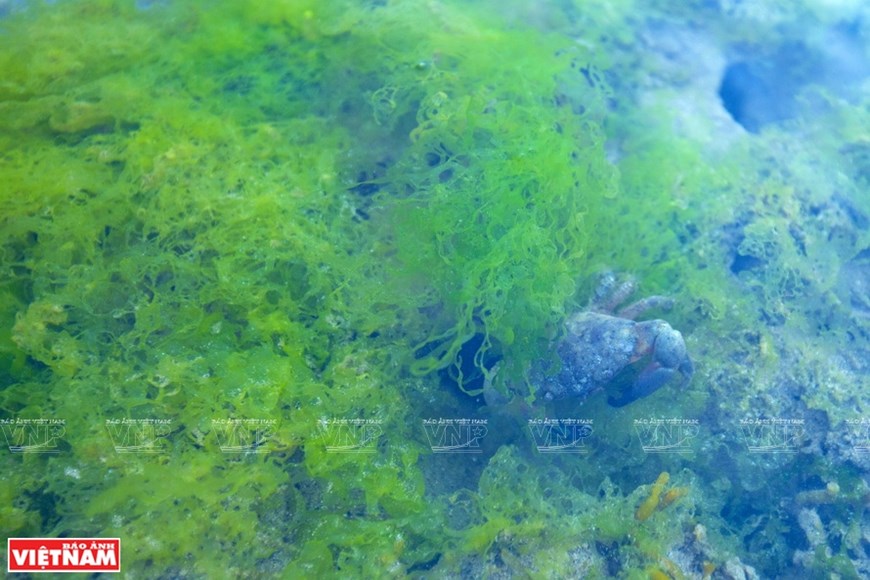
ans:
(669, 358)
(648, 381)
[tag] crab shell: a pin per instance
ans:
(598, 348)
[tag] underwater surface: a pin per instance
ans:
(281, 282)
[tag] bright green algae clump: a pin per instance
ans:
(271, 211)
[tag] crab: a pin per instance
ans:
(603, 347)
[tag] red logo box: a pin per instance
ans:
(63, 555)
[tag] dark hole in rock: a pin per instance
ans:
(762, 89)
(753, 96)
(742, 263)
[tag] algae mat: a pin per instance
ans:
(259, 260)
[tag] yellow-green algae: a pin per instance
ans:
(303, 210)
(190, 234)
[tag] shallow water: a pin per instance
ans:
(262, 260)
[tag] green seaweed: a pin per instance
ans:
(192, 245)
